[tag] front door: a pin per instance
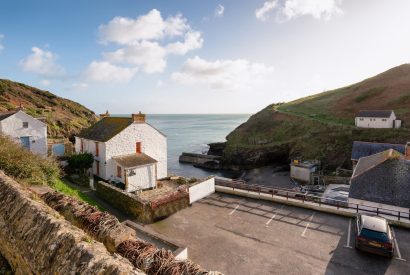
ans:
(25, 142)
(97, 168)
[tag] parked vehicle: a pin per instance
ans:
(373, 234)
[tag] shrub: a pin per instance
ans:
(80, 162)
(25, 166)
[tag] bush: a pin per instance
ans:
(25, 166)
(80, 162)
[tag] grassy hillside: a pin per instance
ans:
(388, 90)
(64, 117)
(322, 126)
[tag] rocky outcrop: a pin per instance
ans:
(37, 240)
(216, 148)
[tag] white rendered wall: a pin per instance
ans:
(89, 147)
(37, 131)
(144, 178)
(201, 190)
(153, 143)
(300, 173)
(367, 122)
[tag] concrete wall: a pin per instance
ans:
(144, 178)
(201, 190)
(37, 240)
(36, 131)
(366, 122)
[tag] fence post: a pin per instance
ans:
(357, 208)
(337, 205)
(377, 211)
(287, 196)
(399, 216)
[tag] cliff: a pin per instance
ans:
(321, 126)
(64, 117)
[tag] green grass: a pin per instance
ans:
(63, 187)
(369, 94)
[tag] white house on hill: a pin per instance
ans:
(377, 119)
(31, 133)
(127, 150)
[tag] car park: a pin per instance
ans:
(373, 234)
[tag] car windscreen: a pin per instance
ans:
(374, 235)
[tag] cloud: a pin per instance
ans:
(45, 82)
(79, 86)
(262, 13)
(230, 75)
(105, 72)
(289, 9)
(144, 43)
(42, 62)
(219, 11)
(1, 45)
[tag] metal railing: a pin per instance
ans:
(318, 200)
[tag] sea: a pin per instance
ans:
(193, 133)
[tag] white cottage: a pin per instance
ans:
(126, 150)
(25, 129)
(377, 119)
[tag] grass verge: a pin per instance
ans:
(63, 187)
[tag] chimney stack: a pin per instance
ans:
(407, 154)
(139, 118)
(107, 114)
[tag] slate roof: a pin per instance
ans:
(106, 128)
(375, 113)
(364, 149)
(384, 181)
(134, 160)
(5, 115)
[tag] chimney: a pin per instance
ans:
(139, 118)
(107, 114)
(407, 154)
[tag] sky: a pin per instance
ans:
(197, 56)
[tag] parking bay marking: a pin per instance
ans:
(273, 216)
(397, 246)
(348, 234)
(307, 225)
(233, 211)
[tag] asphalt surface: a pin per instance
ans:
(238, 235)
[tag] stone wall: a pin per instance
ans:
(143, 211)
(37, 240)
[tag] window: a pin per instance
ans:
(361, 119)
(384, 119)
(119, 172)
(97, 150)
(138, 147)
(25, 124)
(97, 167)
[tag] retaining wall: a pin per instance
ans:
(139, 209)
(37, 240)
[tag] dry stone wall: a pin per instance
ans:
(37, 240)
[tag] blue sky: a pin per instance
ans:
(191, 56)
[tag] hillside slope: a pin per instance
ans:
(321, 126)
(64, 117)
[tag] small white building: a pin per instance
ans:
(377, 119)
(126, 150)
(31, 133)
(302, 171)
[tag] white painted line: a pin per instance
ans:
(348, 234)
(273, 216)
(234, 210)
(397, 246)
(307, 226)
